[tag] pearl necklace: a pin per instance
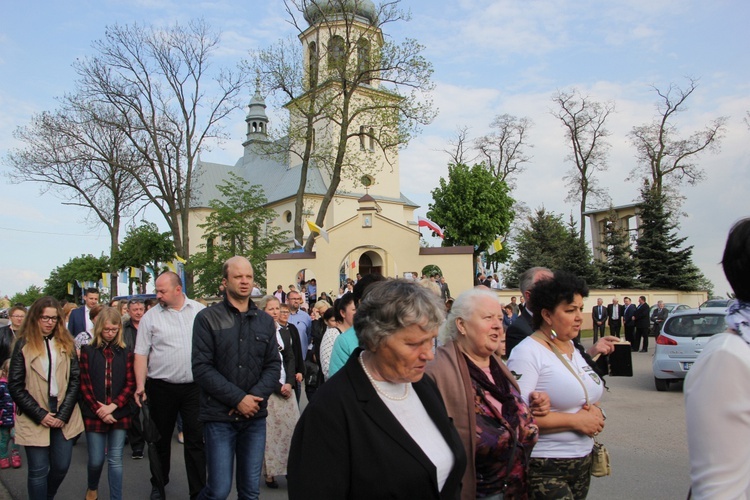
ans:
(376, 385)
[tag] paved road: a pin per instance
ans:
(645, 435)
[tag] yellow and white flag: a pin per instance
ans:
(314, 228)
(495, 247)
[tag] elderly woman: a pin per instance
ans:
(483, 399)
(717, 393)
(548, 361)
(379, 429)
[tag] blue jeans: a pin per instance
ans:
(224, 440)
(113, 441)
(48, 465)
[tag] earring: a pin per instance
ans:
(553, 335)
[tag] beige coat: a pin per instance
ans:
(451, 374)
(28, 432)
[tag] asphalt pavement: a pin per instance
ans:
(644, 433)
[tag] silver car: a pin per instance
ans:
(682, 338)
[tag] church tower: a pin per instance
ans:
(256, 119)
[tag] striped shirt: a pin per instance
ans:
(165, 335)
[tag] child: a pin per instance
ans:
(7, 421)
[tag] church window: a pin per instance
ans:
(371, 133)
(363, 60)
(336, 53)
(313, 63)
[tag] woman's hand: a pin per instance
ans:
(50, 420)
(109, 419)
(590, 421)
(286, 391)
(105, 410)
(539, 403)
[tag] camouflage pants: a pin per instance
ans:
(559, 478)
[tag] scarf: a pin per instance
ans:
(738, 319)
(499, 388)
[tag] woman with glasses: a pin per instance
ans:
(44, 382)
(283, 411)
(107, 387)
(9, 332)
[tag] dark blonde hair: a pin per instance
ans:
(32, 334)
(112, 316)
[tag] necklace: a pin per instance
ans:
(376, 385)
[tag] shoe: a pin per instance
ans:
(4, 463)
(644, 350)
(180, 438)
(137, 454)
(272, 484)
(155, 495)
(15, 460)
(91, 495)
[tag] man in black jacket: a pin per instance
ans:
(642, 323)
(236, 363)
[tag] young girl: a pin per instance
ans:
(107, 386)
(7, 421)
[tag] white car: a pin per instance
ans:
(681, 340)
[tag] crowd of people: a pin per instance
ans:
(411, 393)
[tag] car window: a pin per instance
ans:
(695, 325)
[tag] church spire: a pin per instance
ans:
(256, 119)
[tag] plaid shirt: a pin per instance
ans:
(122, 399)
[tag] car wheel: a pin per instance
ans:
(661, 384)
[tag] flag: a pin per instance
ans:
(354, 264)
(136, 273)
(105, 280)
(430, 225)
(70, 288)
(495, 246)
(179, 259)
(314, 228)
(297, 243)
(172, 266)
(124, 277)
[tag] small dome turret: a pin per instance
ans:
(319, 10)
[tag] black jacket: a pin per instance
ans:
(517, 331)
(347, 444)
(289, 358)
(641, 316)
(129, 335)
(234, 354)
(6, 340)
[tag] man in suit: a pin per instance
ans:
(658, 317)
(628, 315)
(641, 323)
(521, 327)
(614, 317)
(599, 317)
(79, 318)
(445, 292)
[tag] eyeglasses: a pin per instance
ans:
(285, 312)
(110, 330)
(49, 319)
(18, 316)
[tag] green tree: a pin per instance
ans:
(662, 262)
(546, 241)
(472, 206)
(27, 297)
(238, 225)
(144, 246)
(619, 268)
(83, 268)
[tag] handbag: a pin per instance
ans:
(600, 466)
(312, 374)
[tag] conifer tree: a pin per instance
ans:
(619, 269)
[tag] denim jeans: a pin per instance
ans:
(224, 440)
(114, 442)
(48, 465)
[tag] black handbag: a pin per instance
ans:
(312, 374)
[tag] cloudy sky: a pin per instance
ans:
(490, 57)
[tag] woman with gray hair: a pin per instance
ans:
(496, 426)
(379, 429)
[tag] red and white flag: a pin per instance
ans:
(430, 225)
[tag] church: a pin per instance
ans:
(342, 37)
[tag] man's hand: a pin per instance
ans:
(140, 396)
(249, 405)
(299, 377)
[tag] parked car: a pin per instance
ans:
(670, 307)
(723, 303)
(683, 336)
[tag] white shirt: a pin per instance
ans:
(717, 407)
(165, 335)
(89, 323)
(539, 369)
(326, 348)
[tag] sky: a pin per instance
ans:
(490, 57)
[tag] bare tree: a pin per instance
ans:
(664, 156)
(460, 148)
(89, 163)
(583, 120)
(504, 149)
(352, 87)
(169, 103)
